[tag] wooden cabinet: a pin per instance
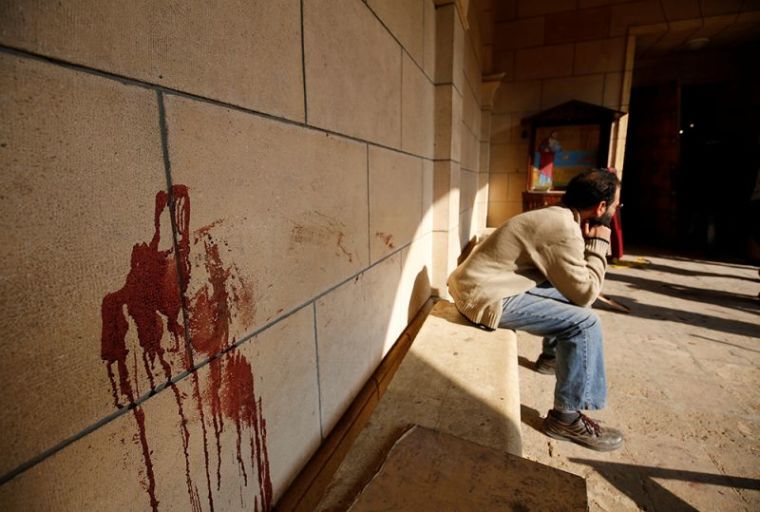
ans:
(534, 199)
(563, 142)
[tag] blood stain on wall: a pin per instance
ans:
(153, 296)
(319, 229)
(386, 238)
(343, 249)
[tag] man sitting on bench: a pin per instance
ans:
(540, 272)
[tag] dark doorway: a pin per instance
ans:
(691, 163)
(651, 165)
(715, 176)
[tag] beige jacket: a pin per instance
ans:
(528, 249)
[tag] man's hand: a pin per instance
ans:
(595, 231)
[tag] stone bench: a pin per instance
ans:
(455, 379)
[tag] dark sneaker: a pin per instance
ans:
(546, 364)
(585, 432)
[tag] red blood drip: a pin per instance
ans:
(210, 312)
(230, 375)
(209, 330)
(199, 403)
(238, 392)
(151, 296)
(140, 418)
(215, 380)
(241, 406)
(150, 292)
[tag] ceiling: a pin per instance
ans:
(662, 27)
(714, 32)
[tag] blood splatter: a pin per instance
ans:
(153, 296)
(386, 238)
(236, 405)
(150, 288)
(321, 229)
(343, 249)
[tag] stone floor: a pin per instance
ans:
(683, 373)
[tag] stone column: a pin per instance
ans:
(620, 128)
(488, 88)
(449, 83)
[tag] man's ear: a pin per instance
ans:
(601, 208)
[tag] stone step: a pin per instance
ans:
(432, 471)
(456, 379)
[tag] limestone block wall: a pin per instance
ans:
(552, 52)
(217, 218)
(470, 181)
(458, 188)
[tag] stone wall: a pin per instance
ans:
(459, 186)
(551, 52)
(216, 221)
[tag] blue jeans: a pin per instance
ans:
(571, 333)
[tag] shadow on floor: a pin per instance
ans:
(747, 303)
(659, 267)
(713, 262)
(725, 343)
(531, 417)
(526, 363)
(637, 482)
(696, 320)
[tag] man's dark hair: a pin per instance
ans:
(591, 187)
